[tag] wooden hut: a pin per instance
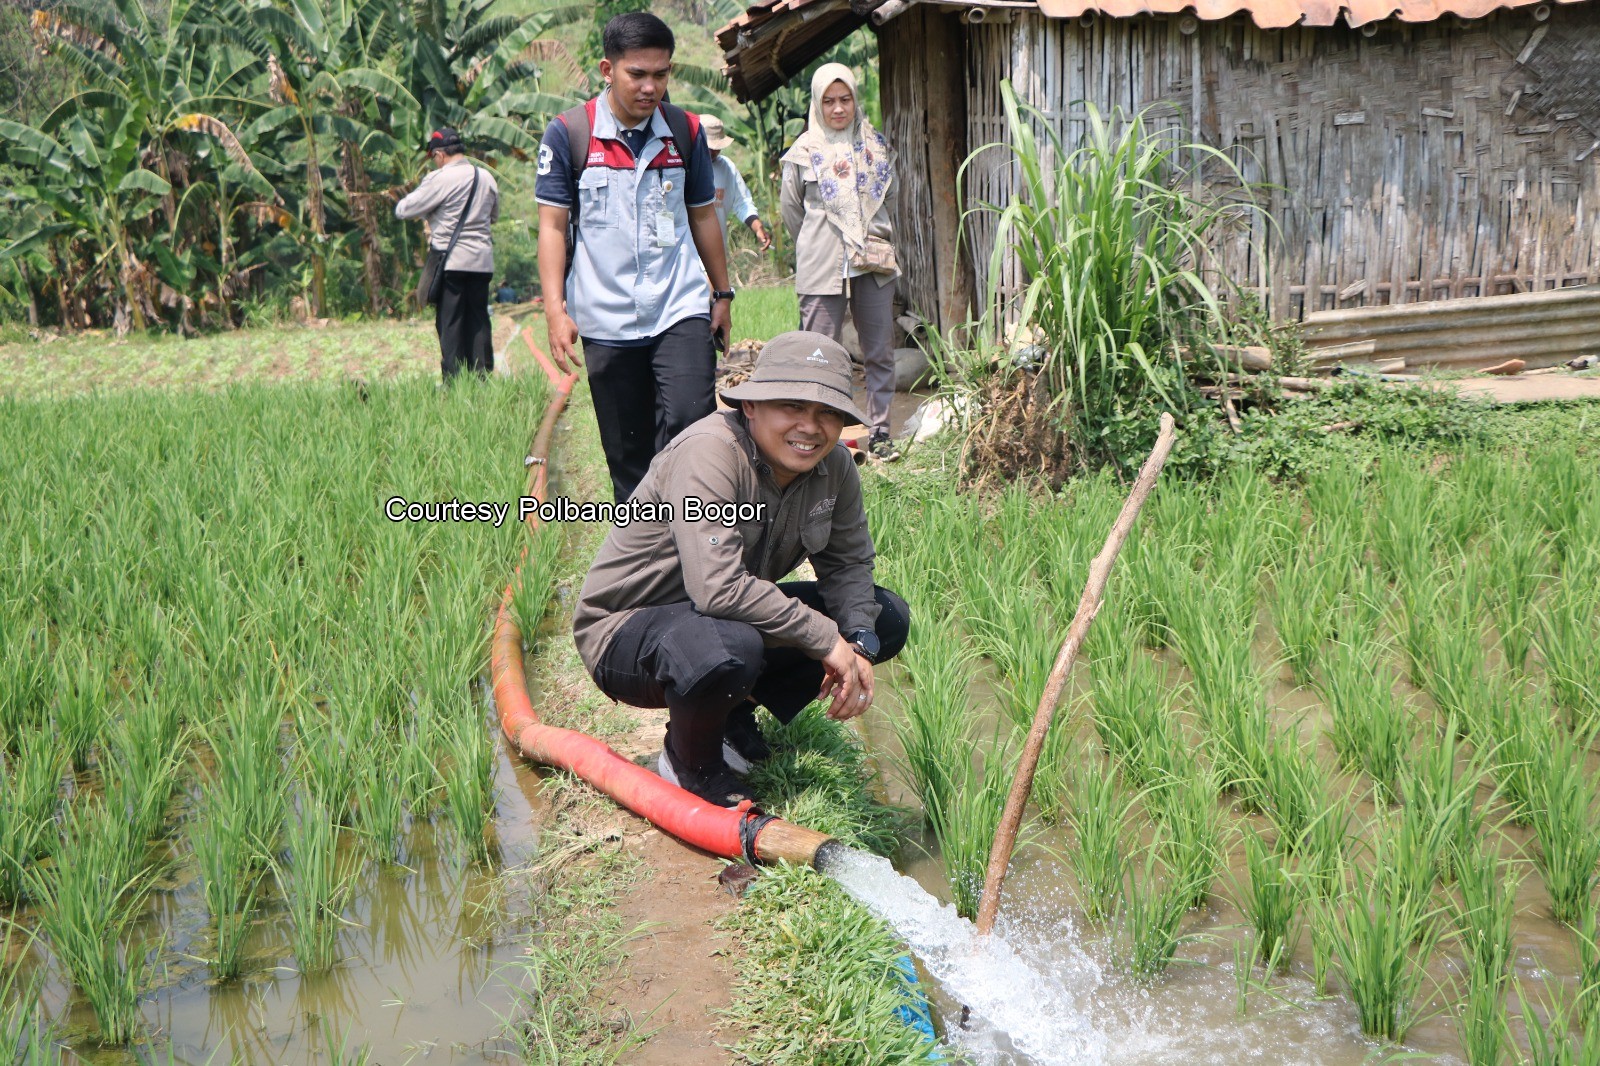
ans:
(1420, 149)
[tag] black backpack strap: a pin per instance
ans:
(682, 134)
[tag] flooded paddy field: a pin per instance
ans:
(252, 804)
(1323, 788)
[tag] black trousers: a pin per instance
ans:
(700, 668)
(646, 394)
(461, 319)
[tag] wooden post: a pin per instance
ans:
(1005, 838)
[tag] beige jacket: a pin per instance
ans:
(440, 196)
(819, 259)
(729, 572)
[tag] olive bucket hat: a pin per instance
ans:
(800, 365)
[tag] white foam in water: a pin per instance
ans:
(1015, 1007)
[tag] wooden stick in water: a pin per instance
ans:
(1005, 838)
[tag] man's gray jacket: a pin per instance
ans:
(440, 196)
(728, 572)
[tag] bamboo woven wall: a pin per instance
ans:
(1424, 162)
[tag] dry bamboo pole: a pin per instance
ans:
(1005, 838)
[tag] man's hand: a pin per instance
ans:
(721, 321)
(563, 339)
(846, 677)
(761, 233)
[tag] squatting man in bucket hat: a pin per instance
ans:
(688, 613)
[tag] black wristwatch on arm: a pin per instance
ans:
(722, 294)
(865, 643)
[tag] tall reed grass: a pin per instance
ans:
(1112, 245)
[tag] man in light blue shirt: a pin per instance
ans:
(733, 195)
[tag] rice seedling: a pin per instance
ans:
(1561, 811)
(317, 883)
(1149, 914)
(380, 807)
(87, 908)
(1446, 793)
(80, 706)
(1098, 862)
(1323, 851)
(1587, 936)
(1187, 809)
(30, 781)
(1565, 638)
(1422, 839)
(1269, 900)
(1404, 527)
(1147, 587)
(1512, 577)
(24, 684)
(25, 1033)
(964, 822)
(229, 858)
(1468, 498)
(1294, 788)
(1370, 728)
(1129, 703)
(933, 731)
(1522, 731)
(326, 759)
(1483, 920)
(1561, 1039)
(469, 783)
(1022, 644)
(146, 755)
(1566, 492)
(1381, 937)
(1305, 595)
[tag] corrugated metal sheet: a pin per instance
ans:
(1275, 14)
(775, 39)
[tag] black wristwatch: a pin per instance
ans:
(865, 643)
(722, 294)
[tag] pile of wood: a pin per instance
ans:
(1541, 329)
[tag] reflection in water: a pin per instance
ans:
(423, 970)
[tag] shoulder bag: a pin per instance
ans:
(430, 286)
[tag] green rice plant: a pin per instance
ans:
(380, 804)
(1053, 776)
(1405, 518)
(1108, 237)
(965, 821)
(1187, 809)
(1323, 851)
(1587, 936)
(1522, 730)
(1370, 726)
(1561, 1039)
(1562, 813)
(536, 581)
(1565, 638)
(1423, 837)
(1453, 667)
(1269, 900)
(146, 751)
(24, 680)
(1242, 743)
(1469, 497)
(80, 708)
(30, 783)
(87, 909)
(229, 858)
(1022, 644)
(1419, 626)
(1382, 938)
(1512, 576)
(1149, 914)
(1147, 584)
(469, 784)
(317, 883)
(1566, 493)
(1097, 859)
(1129, 703)
(1305, 596)
(933, 730)
(326, 759)
(1446, 791)
(26, 1036)
(1294, 788)
(421, 785)
(1483, 920)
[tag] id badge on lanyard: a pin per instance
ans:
(666, 224)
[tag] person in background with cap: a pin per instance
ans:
(733, 195)
(646, 241)
(688, 613)
(462, 315)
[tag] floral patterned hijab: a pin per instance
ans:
(851, 166)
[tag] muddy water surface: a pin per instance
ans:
(429, 970)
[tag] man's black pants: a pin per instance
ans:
(646, 394)
(700, 668)
(461, 319)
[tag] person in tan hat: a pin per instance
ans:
(733, 195)
(684, 607)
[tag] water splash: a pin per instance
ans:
(1016, 1008)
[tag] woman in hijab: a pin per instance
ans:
(835, 181)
